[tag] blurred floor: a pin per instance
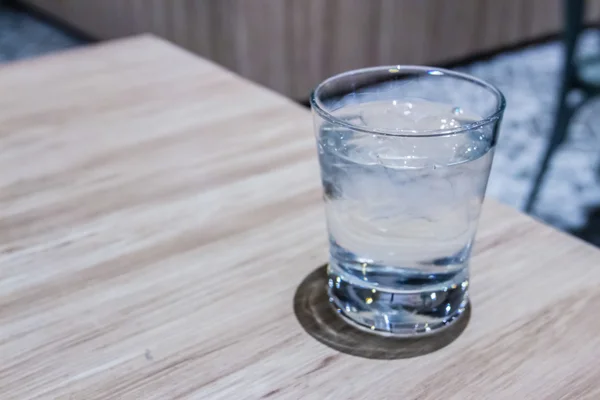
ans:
(529, 78)
(23, 36)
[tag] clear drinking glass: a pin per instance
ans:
(405, 155)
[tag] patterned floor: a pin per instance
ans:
(529, 78)
(23, 36)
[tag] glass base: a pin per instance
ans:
(404, 311)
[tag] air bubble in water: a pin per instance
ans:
(457, 111)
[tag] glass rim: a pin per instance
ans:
(319, 107)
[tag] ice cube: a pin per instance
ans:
(436, 122)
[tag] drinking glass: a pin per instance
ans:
(405, 155)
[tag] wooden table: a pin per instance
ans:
(160, 222)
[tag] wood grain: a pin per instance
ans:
(157, 215)
(291, 45)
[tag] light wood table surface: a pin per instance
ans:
(160, 225)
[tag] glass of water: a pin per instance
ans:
(405, 155)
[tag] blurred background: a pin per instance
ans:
(543, 54)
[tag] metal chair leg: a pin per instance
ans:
(561, 124)
(573, 14)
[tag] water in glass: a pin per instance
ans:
(402, 211)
